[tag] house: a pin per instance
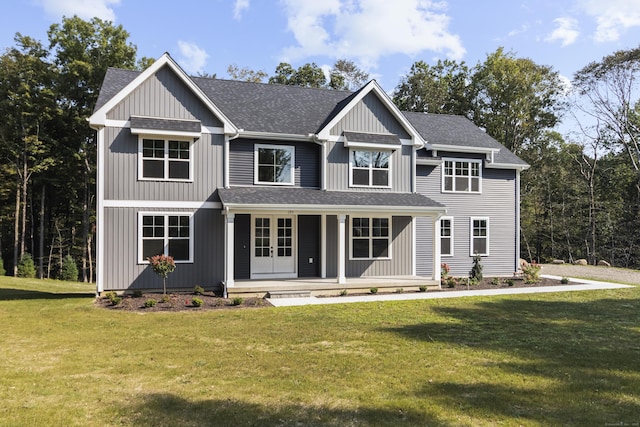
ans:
(243, 183)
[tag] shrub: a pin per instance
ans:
(343, 292)
(450, 282)
(198, 290)
(531, 273)
(137, 293)
(26, 267)
(422, 288)
(476, 268)
(113, 298)
(495, 281)
(564, 280)
(150, 303)
(444, 269)
(472, 281)
(373, 290)
(197, 302)
(399, 290)
(237, 301)
(165, 299)
(162, 265)
(2, 270)
(510, 282)
(69, 270)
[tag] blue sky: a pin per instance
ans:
(383, 37)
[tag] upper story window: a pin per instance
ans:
(164, 159)
(461, 176)
(165, 234)
(370, 238)
(370, 168)
(274, 164)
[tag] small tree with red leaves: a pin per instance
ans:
(162, 265)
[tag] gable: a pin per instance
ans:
(165, 95)
(371, 115)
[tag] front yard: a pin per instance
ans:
(533, 360)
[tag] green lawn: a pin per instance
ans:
(534, 360)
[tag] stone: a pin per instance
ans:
(603, 263)
(557, 261)
(581, 261)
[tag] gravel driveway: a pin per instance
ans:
(611, 274)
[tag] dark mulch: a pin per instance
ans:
(502, 283)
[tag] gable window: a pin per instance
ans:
(165, 160)
(461, 176)
(274, 164)
(370, 238)
(446, 236)
(165, 234)
(479, 236)
(369, 168)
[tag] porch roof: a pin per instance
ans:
(334, 202)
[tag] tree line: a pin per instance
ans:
(580, 198)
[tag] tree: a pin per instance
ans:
(162, 265)
(345, 75)
(308, 75)
(515, 99)
(434, 89)
(246, 74)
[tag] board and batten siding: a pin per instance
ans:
(338, 169)
(370, 115)
(121, 170)
(164, 95)
(497, 202)
(306, 162)
(123, 272)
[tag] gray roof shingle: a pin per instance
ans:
(372, 138)
(165, 124)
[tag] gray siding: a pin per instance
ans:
(307, 162)
(332, 246)
(497, 202)
(121, 170)
(424, 246)
(163, 95)
(370, 115)
(122, 271)
(338, 169)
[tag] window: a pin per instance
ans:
(479, 236)
(446, 236)
(165, 234)
(370, 238)
(274, 164)
(370, 168)
(166, 160)
(461, 176)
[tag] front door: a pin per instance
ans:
(273, 251)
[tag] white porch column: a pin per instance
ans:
(436, 250)
(341, 249)
(323, 246)
(229, 247)
(517, 260)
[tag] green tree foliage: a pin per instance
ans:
(346, 75)
(69, 269)
(246, 74)
(2, 270)
(26, 267)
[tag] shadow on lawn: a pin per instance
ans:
(568, 362)
(7, 294)
(170, 410)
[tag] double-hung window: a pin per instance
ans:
(165, 234)
(479, 236)
(274, 164)
(446, 236)
(370, 168)
(370, 238)
(461, 176)
(165, 160)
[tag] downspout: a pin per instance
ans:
(226, 150)
(323, 161)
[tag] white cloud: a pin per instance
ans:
(369, 29)
(566, 31)
(612, 17)
(192, 57)
(85, 9)
(240, 6)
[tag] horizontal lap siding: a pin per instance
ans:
(121, 170)
(497, 202)
(424, 246)
(122, 271)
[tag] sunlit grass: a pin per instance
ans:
(547, 359)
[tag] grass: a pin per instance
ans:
(533, 360)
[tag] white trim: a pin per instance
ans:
(338, 209)
(229, 253)
(437, 256)
(518, 167)
(165, 159)
(340, 138)
(462, 149)
(342, 244)
(274, 136)
(471, 248)
(451, 245)
(414, 246)
(371, 169)
(454, 176)
(226, 166)
(166, 238)
(371, 146)
(100, 202)
(517, 224)
(165, 133)
(160, 204)
(371, 237)
(256, 175)
(117, 123)
(323, 246)
(428, 161)
(213, 130)
(273, 230)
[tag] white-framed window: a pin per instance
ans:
(164, 159)
(165, 234)
(370, 238)
(462, 176)
(479, 234)
(274, 164)
(370, 168)
(446, 236)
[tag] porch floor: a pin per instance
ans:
(329, 286)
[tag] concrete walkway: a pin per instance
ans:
(583, 285)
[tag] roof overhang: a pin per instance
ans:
(166, 127)
(376, 141)
(462, 148)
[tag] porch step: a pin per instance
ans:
(289, 294)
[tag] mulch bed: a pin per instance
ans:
(184, 301)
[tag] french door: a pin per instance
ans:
(273, 246)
